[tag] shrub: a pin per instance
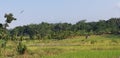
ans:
(21, 48)
(3, 43)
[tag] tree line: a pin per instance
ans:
(59, 31)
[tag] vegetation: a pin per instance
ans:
(61, 40)
(90, 54)
(65, 30)
(21, 48)
(104, 46)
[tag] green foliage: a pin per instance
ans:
(21, 48)
(1, 26)
(9, 18)
(3, 43)
(4, 33)
(63, 30)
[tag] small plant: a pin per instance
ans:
(21, 48)
(93, 41)
(3, 44)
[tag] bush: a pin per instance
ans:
(3, 43)
(21, 48)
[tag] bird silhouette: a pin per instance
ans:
(21, 11)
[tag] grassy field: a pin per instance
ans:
(90, 54)
(103, 46)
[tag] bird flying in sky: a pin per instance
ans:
(21, 11)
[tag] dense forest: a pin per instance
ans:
(64, 30)
(58, 30)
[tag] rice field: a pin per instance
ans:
(90, 54)
(102, 46)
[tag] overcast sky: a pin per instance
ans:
(55, 11)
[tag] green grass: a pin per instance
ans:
(102, 46)
(89, 54)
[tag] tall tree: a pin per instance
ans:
(9, 18)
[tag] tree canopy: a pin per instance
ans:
(63, 30)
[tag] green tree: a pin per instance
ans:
(9, 18)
